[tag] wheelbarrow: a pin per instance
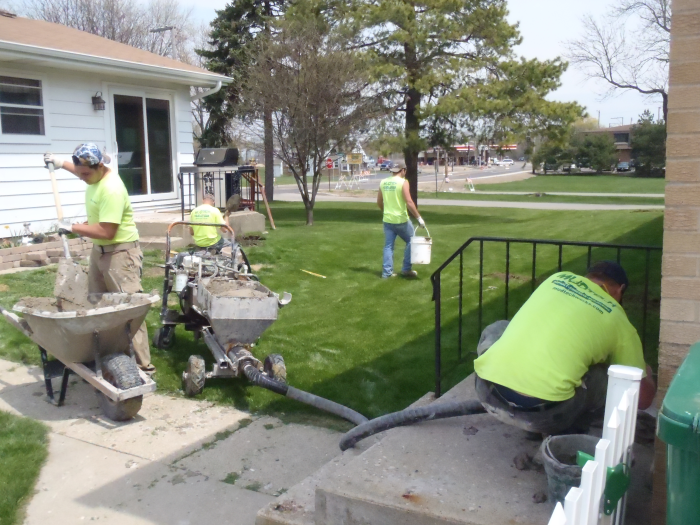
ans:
(92, 340)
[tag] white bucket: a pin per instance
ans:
(421, 248)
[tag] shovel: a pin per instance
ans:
(71, 279)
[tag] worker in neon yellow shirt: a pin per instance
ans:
(208, 237)
(394, 199)
(547, 369)
(116, 259)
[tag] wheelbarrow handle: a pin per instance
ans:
(17, 322)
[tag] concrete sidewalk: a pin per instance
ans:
(571, 206)
(178, 462)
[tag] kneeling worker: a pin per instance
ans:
(546, 370)
(208, 237)
(116, 260)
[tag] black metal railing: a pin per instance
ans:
(461, 329)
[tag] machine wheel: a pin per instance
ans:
(194, 375)
(121, 371)
(275, 368)
(164, 337)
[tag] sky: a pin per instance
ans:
(545, 26)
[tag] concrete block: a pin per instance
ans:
(35, 256)
(684, 49)
(31, 264)
(680, 265)
(54, 252)
(679, 146)
(11, 257)
(684, 97)
(678, 310)
(683, 195)
(679, 333)
(680, 288)
(686, 25)
(6, 265)
(682, 171)
(681, 218)
(244, 222)
(685, 121)
(672, 355)
(681, 242)
(685, 6)
(16, 264)
(686, 72)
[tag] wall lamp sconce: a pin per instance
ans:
(98, 102)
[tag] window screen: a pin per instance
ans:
(21, 106)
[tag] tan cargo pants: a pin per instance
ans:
(120, 272)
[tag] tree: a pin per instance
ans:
(649, 146)
(430, 57)
(597, 150)
(316, 92)
(233, 50)
(125, 21)
(630, 51)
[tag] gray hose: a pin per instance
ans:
(409, 417)
(258, 378)
(327, 405)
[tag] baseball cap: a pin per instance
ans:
(89, 154)
(398, 167)
(612, 270)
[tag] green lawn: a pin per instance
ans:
(469, 196)
(353, 337)
(580, 184)
(22, 453)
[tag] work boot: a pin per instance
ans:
(409, 274)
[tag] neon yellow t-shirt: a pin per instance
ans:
(205, 236)
(566, 326)
(108, 201)
(394, 203)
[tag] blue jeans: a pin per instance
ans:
(391, 231)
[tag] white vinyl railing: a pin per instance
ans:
(583, 505)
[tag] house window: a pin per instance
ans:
(622, 137)
(21, 106)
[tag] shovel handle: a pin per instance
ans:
(56, 196)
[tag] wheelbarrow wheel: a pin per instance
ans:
(275, 368)
(164, 337)
(194, 375)
(120, 371)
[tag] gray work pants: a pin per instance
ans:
(551, 417)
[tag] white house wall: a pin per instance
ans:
(25, 187)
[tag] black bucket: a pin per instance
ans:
(559, 456)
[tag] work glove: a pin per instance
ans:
(53, 159)
(64, 227)
(421, 222)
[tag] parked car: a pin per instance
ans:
(506, 162)
(551, 166)
(623, 166)
(568, 167)
(521, 159)
(386, 165)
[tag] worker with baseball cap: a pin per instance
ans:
(116, 260)
(546, 370)
(394, 199)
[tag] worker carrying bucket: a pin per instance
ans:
(394, 199)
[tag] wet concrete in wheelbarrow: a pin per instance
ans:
(179, 461)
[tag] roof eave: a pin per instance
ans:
(115, 66)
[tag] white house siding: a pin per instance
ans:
(25, 187)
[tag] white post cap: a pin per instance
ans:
(625, 372)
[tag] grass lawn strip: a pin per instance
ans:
(468, 196)
(579, 184)
(354, 338)
(23, 450)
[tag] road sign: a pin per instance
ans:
(329, 164)
(354, 158)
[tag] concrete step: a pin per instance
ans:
(297, 505)
(158, 243)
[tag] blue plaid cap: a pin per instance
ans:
(87, 155)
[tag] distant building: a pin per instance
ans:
(622, 136)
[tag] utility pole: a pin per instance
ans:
(267, 125)
(169, 48)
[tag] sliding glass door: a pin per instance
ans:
(142, 132)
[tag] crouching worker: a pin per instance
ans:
(116, 259)
(546, 371)
(208, 237)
